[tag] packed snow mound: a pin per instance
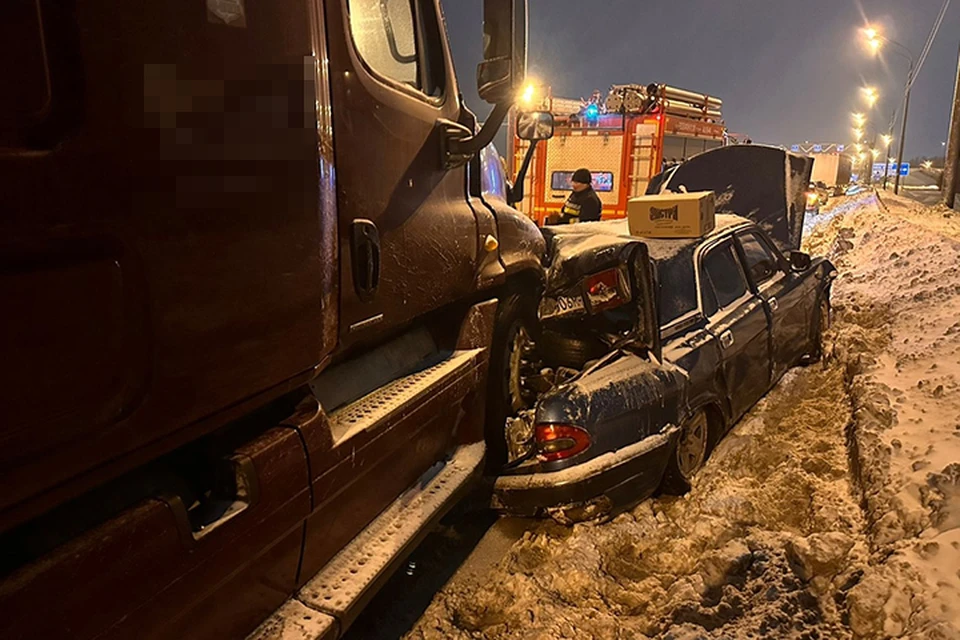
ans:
(767, 545)
(899, 291)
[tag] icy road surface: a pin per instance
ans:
(830, 511)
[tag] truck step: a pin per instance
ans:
(296, 621)
(396, 396)
(334, 596)
(353, 576)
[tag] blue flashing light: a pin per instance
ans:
(593, 111)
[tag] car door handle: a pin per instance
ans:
(774, 305)
(726, 339)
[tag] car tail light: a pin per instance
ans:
(605, 290)
(559, 441)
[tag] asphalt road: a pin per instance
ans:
(920, 186)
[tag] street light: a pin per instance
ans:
(858, 133)
(927, 165)
(887, 141)
(528, 95)
(870, 95)
(876, 41)
(859, 119)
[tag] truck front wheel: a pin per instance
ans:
(512, 363)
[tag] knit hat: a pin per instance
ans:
(582, 176)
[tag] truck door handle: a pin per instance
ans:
(774, 305)
(726, 339)
(365, 253)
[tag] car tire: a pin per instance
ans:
(515, 329)
(574, 353)
(689, 455)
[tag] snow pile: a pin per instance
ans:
(767, 545)
(898, 298)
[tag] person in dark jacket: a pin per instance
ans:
(584, 204)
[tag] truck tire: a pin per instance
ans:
(690, 454)
(513, 334)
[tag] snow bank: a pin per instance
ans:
(898, 300)
(767, 545)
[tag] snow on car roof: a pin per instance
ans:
(658, 248)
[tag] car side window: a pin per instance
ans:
(760, 260)
(722, 280)
(399, 40)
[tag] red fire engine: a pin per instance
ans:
(624, 140)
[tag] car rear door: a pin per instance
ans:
(784, 295)
(738, 319)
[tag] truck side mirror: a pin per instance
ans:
(501, 74)
(535, 125)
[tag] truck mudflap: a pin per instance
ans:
(766, 184)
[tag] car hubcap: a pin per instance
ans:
(692, 448)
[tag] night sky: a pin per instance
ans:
(787, 71)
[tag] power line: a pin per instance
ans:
(929, 43)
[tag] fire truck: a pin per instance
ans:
(624, 139)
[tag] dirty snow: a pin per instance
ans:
(830, 511)
(899, 292)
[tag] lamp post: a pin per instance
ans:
(876, 41)
(887, 139)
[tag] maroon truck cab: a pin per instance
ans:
(250, 301)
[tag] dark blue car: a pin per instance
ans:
(677, 339)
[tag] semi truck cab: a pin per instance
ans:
(252, 281)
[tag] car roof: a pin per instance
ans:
(659, 248)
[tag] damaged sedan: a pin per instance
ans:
(649, 350)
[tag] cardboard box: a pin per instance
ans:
(672, 215)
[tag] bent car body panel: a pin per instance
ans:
(637, 468)
(623, 398)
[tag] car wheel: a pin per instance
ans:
(513, 363)
(689, 455)
(565, 351)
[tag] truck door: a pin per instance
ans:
(739, 322)
(408, 238)
(784, 295)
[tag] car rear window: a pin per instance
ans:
(723, 279)
(678, 286)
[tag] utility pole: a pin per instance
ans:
(903, 128)
(951, 166)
